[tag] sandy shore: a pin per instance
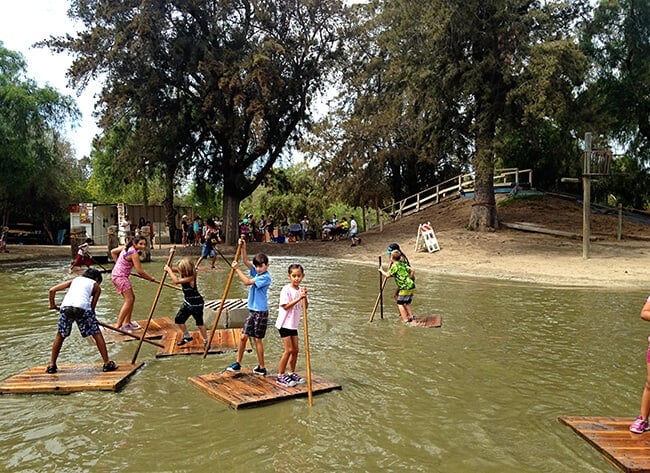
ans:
(505, 254)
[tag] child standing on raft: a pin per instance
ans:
(193, 301)
(404, 277)
(640, 425)
(78, 305)
(128, 257)
(289, 313)
(258, 282)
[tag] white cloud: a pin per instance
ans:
(26, 22)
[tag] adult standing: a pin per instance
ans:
(354, 229)
(304, 227)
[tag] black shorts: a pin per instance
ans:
(186, 311)
(287, 332)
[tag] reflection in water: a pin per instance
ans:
(482, 393)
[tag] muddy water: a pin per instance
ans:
(483, 393)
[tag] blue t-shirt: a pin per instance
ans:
(257, 299)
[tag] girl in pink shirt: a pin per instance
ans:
(126, 258)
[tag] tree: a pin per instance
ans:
(36, 165)
(236, 76)
(617, 40)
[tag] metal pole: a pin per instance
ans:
(586, 197)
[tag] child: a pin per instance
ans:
(128, 257)
(403, 275)
(289, 314)
(193, 302)
(210, 243)
(258, 307)
(640, 425)
(78, 305)
(83, 258)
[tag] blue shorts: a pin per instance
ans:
(208, 252)
(255, 325)
(86, 321)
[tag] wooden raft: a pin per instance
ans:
(223, 341)
(246, 389)
(158, 328)
(69, 379)
(610, 436)
(433, 321)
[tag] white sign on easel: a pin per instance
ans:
(426, 238)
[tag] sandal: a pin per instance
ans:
(51, 369)
(109, 366)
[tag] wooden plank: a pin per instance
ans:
(246, 389)
(70, 378)
(224, 341)
(611, 437)
(432, 321)
(158, 328)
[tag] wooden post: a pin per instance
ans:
(307, 356)
(223, 301)
(586, 197)
(153, 305)
(619, 233)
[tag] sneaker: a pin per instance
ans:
(285, 380)
(258, 370)
(51, 369)
(109, 366)
(236, 367)
(639, 426)
(296, 378)
(129, 327)
(185, 340)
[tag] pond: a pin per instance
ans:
(482, 393)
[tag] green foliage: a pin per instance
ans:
(627, 184)
(38, 176)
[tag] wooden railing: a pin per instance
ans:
(450, 188)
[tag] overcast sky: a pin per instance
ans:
(24, 22)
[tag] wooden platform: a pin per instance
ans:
(246, 389)
(432, 321)
(69, 379)
(157, 329)
(610, 436)
(223, 341)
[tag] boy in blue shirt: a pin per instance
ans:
(258, 281)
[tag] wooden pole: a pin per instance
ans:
(124, 332)
(307, 356)
(172, 250)
(586, 197)
(223, 300)
(381, 292)
(166, 284)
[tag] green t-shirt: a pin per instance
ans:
(402, 274)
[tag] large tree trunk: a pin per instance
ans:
(230, 218)
(484, 212)
(168, 204)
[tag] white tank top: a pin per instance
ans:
(79, 293)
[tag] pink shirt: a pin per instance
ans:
(289, 318)
(123, 266)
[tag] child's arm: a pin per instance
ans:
(245, 279)
(244, 255)
(290, 304)
(172, 274)
(386, 274)
(115, 252)
(135, 259)
(55, 289)
(97, 291)
(645, 312)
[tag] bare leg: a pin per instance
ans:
(101, 346)
(259, 348)
(293, 359)
(127, 308)
(242, 347)
(286, 354)
(56, 348)
(645, 398)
